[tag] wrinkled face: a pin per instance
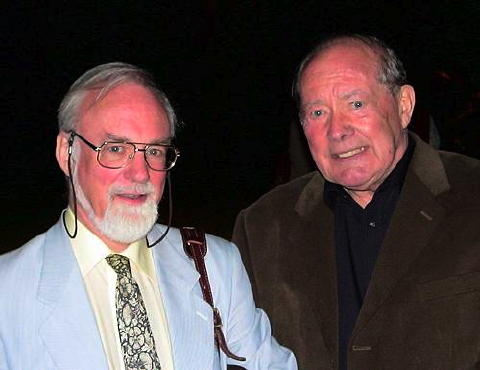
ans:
(116, 201)
(353, 123)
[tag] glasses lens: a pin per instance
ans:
(160, 157)
(115, 155)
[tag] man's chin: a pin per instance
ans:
(354, 179)
(128, 224)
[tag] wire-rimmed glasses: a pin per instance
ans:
(114, 154)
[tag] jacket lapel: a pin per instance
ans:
(415, 218)
(190, 318)
(69, 329)
(311, 252)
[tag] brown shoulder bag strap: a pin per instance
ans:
(195, 247)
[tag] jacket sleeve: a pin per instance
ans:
(240, 239)
(248, 330)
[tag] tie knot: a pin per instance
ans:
(120, 264)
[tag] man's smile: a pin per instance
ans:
(350, 153)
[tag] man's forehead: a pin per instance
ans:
(127, 92)
(127, 112)
(345, 56)
(345, 68)
(124, 99)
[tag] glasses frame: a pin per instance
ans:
(98, 149)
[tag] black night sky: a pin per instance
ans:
(227, 67)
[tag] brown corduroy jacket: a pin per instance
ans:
(422, 307)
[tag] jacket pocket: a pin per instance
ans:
(453, 285)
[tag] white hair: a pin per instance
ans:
(104, 78)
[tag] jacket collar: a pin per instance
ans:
(428, 167)
(311, 196)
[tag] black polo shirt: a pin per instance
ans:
(359, 234)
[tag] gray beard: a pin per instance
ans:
(121, 223)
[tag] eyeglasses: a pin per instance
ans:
(112, 154)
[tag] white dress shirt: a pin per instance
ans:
(100, 281)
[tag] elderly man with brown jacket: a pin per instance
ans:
(373, 262)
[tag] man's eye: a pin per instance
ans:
(115, 148)
(357, 104)
(317, 113)
(156, 152)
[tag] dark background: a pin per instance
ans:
(227, 67)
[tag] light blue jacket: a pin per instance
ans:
(46, 321)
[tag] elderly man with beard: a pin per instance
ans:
(89, 293)
(371, 262)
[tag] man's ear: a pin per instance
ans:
(406, 103)
(61, 151)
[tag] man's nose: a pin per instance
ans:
(137, 169)
(339, 126)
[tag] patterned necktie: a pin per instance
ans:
(136, 338)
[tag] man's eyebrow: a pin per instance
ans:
(166, 141)
(124, 139)
(312, 103)
(347, 95)
(113, 137)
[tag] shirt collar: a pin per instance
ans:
(332, 191)
(90, 250)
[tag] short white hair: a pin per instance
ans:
(104, 78)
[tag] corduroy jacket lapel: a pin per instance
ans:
(311, 249)
(417, 215)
